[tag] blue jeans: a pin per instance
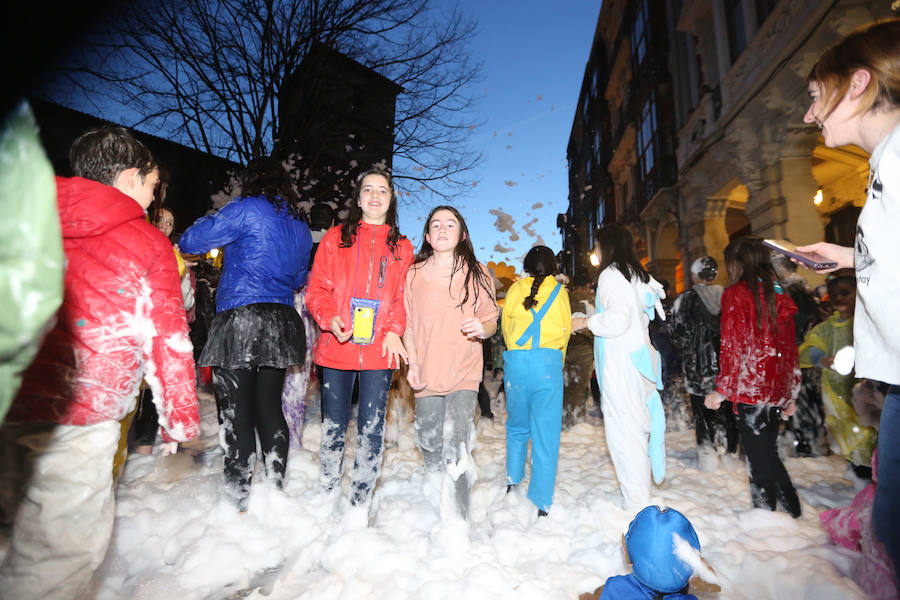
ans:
(337, 388)
(886, 511)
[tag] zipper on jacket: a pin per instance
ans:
(382, 271)
(368, 285)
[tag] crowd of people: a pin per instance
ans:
(355, 299)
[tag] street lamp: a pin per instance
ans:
(817, 198)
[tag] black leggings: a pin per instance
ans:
(249, 403)
(146, 421)
(769, 480)
(708, 422)
(484, 401)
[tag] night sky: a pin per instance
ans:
(534, 54)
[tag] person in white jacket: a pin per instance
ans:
(854, 89)
(627, 364)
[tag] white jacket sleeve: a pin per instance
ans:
(616, 305)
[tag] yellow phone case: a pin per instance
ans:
(363, 323)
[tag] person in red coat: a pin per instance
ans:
(355, 294)
(758, 367)
(121, 320)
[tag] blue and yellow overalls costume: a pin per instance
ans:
(534, 392)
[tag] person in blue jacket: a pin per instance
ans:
(657, 544)
(256, 333)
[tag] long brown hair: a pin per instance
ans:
(617, 249)
(747, 260)
(266, 177)
(348, 229)
(463, 257)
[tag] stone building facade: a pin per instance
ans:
(747, 162)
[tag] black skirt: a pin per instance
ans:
(255, 335)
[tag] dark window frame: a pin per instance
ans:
(640, 33)
(648, 143)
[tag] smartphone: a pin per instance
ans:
(813, 260)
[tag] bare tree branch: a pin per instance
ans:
(208, 73)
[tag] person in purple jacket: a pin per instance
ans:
(256, 333)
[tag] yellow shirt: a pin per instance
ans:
(180, 261)
(556, 326)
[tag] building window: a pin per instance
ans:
(737, 31)
(595, 83)
(597, 141)
(763, 9)
(585, 105)
(640, 33)
(587, 172)
(646, 138)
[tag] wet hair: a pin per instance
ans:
(321, 216)
(705, 267)
(845, 276)
(463, 257)
(540, 263)
(875, 48)
(348, 229)
(156, 210)
(747, 260)
(101, 154)
(617, 249)
(266, 176)
(159, 203)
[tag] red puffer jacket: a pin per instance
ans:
(121, 320)
(367, 269)
(757, 366)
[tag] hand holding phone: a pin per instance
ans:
(813, 260)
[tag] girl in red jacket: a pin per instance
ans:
(758, 368)
(355, 294)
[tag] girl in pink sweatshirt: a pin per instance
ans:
(450, 308)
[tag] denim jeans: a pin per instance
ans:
(886, 511)
(337, 389)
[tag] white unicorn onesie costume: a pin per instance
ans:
(629, 373)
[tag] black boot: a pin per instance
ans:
(542, 513)
(511, 487)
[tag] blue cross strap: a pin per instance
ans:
(533, 332)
